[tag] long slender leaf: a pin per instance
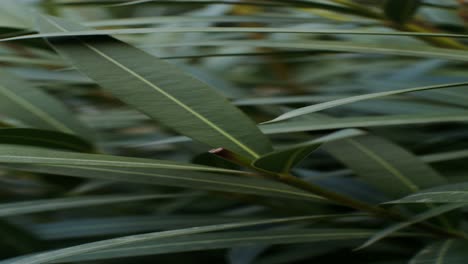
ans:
(353, 99)
(227, 240)
(161, 91)
(141, 170)
(45, 205)
(453, 193)
(367, 121)
(100, 32)
(60, 254)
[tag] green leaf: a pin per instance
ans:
(14, 15)
(401, 11)
(322, 106)
(452, 193)
(160, 90)
(433, 212)
(60, 254)
(38, 206)
(282, 161)
(450, 251)
(105, 226)
(226, 240)
(339, 46)
(146, 171)
(44, 138)
(385, 165)
(362, 121)
(22, 101)
(82, 32)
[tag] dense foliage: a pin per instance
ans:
(241, 132)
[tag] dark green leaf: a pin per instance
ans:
(433, 212)
(401, 11)
(449, 251)
(44, 138)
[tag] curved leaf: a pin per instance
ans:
(160, 90)
(352, 99)
(452, 193)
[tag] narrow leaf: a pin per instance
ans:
(60, 254)
(141, 170)
(413, 220)
(160, 90)
(44, 138)
(226, 240)
(385, 165)
(453, 193)
(362, 121)
(322, 106)
(38, 206)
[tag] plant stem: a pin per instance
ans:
(358, 205)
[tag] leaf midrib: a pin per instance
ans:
(394, 171)
(170, 97)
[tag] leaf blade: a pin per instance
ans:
(188, 105)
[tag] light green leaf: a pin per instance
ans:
(38, 206)
(433, 212)
(450, 251)
(160, 90)
(283, 160)
(22, 101)
(14, 15)
(322, 106)
(385, 165)
(452, 193)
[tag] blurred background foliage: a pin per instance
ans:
(267, 57)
